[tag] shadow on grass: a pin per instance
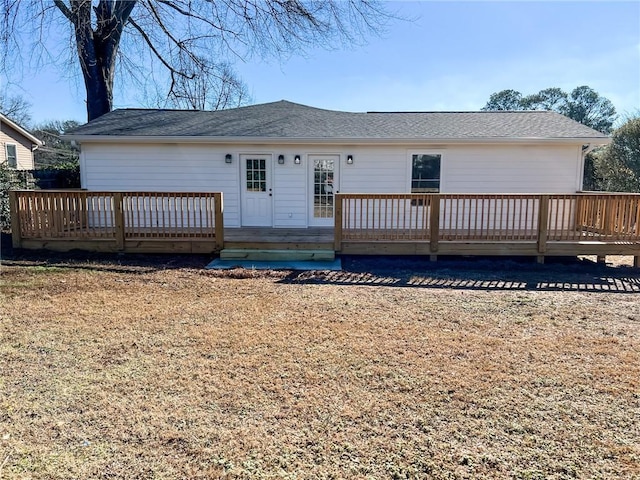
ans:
(478, 273)
(473, 273)
(103, 262)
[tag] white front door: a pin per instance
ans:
(256, 188)
(323, 177)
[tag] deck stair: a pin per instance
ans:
(253, 254)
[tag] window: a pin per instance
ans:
(425, 173)
(256, 175)
(12, 156)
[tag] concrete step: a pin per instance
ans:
(276, 255)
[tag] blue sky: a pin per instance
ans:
(451, 57)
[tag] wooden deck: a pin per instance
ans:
(365, 224)
(489, 224)
(145, 222)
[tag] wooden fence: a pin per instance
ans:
(119, 221)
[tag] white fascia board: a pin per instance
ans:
(28, 135)
(332, 141)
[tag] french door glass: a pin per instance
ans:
(323, 170)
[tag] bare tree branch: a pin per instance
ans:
(193, 42)
(156, 51)
(65, 10)
(193, 15)
(16, 108)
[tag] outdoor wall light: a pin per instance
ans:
(281, 159)
(296, 159)
(228, 158)
(350, 159)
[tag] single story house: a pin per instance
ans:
(16, 145)
(279, 164)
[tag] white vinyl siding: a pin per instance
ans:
(289, 191)
(168, 168)
(511, 169)
(468, 169)
(375, 169)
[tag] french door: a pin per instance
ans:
(323, 177)
(256, 191)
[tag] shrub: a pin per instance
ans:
(11, 179)
(63, 175)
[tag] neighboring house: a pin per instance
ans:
(16, 145)
(279, 164)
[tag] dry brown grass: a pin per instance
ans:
(179, 373)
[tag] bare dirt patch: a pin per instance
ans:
(133, 369)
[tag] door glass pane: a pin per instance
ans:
(256, 175)
(323, 170)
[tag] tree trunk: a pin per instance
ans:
(97, 48)
(98, 82)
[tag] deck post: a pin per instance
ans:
(543, 224)
(118, 212)
(434, 225)
(16, 232)
(337, 223)
(219, 221)
(579, 216)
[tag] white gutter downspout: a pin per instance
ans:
(589, 147)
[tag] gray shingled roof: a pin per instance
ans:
(291, 120)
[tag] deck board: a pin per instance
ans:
(279, 235)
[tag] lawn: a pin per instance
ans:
(118, 369)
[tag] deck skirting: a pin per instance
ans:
(503, 248)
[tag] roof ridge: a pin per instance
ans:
(144, 109)
(464, 111)
(288, 102)
(254, 105)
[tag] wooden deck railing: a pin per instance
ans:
(117, 216)
(527, 224)
(614, 217)
(435, 218)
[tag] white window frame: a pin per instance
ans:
(15, 154)
(410, 155)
